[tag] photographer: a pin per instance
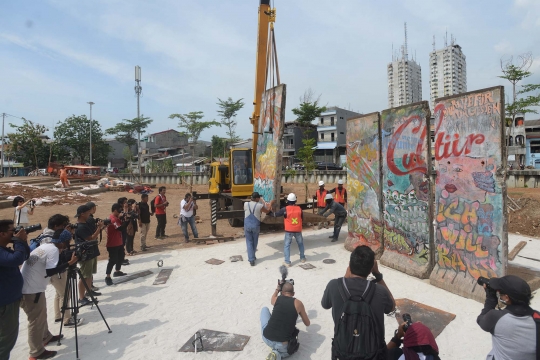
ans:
(161, 204)
(114, 243)
(89, 267)
(513, 329)
(21, 211)
(355, 290)
(43, 262)
(122, 213)
(279, 327)
(11, 283)
(132, 216)
(418, 343)
(144, 220)
(187, 206)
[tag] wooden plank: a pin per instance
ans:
(516, 250)
(123, 279)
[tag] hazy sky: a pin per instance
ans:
(56, 55)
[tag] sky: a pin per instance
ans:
(57, 55)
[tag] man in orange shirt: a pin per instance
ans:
(63, 177)
(161, 204)
(340, 194)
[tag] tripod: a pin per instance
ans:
(71, 293)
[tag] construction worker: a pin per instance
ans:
(340, 194)
(63, 177)
(320, 195)
(293, 228)
(333, 207)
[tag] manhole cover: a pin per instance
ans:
(329, 261)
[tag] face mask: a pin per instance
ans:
(500, 299)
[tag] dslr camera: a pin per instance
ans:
(106, 222)
(406, 318)
(284, 272)
(29, 229)
(84, 250)
(483, 281)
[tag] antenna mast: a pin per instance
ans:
(405, 50)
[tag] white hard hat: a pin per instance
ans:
(340, 182)
(291, 197)
(328, 197)
(321, 183)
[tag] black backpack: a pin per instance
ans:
(153, 205)
(355, 336)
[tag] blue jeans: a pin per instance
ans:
(288, 241)
(252, 240)
(278, 346)
(191, 222)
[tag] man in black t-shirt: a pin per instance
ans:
(89, 267)
(361, 264)
(144, 220)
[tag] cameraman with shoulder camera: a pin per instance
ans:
(42, 263)
(11, 283)
(84, 232)
(279, 328)
(513, 329)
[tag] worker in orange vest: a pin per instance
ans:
(340, 194)
(293, 228)
(320, 195)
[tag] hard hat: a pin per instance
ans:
(340, 182)
(291, 197)
(321, 183)
(328, 197)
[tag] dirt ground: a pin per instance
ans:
(526, 220)
(67, 205)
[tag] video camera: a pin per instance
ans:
(84, 250)
(483, 281)
(407, 318)
(284, 272)
(28, 229)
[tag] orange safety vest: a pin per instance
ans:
(321, 203)
(340, 196)
(293, 221)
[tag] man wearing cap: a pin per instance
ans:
(340, 194)
(333, 207)
(43, 262)
(513, 330)
(252, 224)
(91, 221)
(320, 196)
(89, 267)
(293, 217)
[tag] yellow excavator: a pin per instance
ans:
(231, 181)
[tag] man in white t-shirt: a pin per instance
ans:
(42, 262)
(187, 206)
(252, 224)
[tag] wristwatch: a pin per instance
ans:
(378, 277)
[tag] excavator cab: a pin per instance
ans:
(235, 177)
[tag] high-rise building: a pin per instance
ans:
(448, 70)
(404, 78)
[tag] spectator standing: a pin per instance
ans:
(340, 214)
(187, 206)
(115, 248)
(362, 262)
(63, 177)
(144, 220)
(293, 219)
(340, 194)
(11, 283)
(91, 221)
(21, 211)
(161, 203)
(252, 224)
(132, 216)
(513, 329)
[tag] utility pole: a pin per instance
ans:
(91, 103)
(3, 140)
(138, 91)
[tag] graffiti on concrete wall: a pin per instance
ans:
(363, 183)
(267, 180)
(405, 183)
(469, 192)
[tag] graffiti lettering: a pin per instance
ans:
(413, 161)
(450, 147)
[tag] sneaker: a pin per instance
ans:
(84, 301)
(94, 288)
(331, 237)
(271, 356)
(145, 248)
(119, 273)
(53, 339)
(94, 293)
(164, 236)
(158, 238)
(252, 263)
(333, 240)
(286, 264)
(44, 355)
(71, 322)
(303, 260)
(57, 320)
(125, 262)
(108, 281)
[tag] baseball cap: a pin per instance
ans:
(91, 204)
(321, 183)
(340, 182)
(255, 195)
(513, 286)
(82, 209)
(65, 236)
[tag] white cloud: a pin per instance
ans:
(504, 47)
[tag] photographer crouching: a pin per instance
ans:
(11, 283)
(417, 339)
(279, 328)
(513, 331)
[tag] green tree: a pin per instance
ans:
(74, 134)
(129, 131)
(219, 146)
(227, 112)
(193, 124)
(305, 154)
(27, 145)
(309, 108)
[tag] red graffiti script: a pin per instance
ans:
(411, 161)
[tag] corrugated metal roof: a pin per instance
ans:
(326, 145)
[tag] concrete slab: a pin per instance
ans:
(435, 319)
(210, 340)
